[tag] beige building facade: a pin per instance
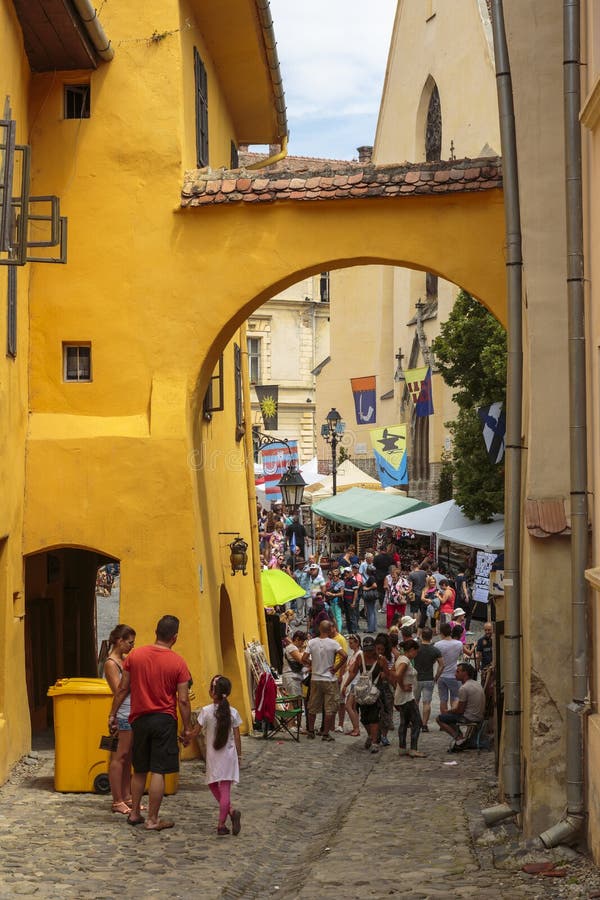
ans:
(287, 339)
(439, 101)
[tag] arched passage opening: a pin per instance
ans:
(68, 609)
(230, 664)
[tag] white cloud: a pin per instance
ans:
(333, 55)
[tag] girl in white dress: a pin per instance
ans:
(221, 724)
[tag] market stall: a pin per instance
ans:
(360, 510)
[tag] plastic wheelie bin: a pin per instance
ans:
(81, 709)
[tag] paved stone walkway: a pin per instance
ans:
(318, 820)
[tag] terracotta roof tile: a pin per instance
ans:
(204, 186)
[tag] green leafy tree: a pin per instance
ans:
(470, 354)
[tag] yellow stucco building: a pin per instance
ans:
(103, 395)
(113, 449)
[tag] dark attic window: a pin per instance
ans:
(77, 101)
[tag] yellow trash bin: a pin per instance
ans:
(81, 709)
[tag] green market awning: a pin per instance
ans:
(361, 508)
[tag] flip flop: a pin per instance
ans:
(354, 734)
(160, 825)
(139, 821)
(121, 807)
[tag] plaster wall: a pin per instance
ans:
(534, 32)
(14, 719)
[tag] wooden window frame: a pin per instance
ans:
(71, 345)
(254, 356)
(201, 98)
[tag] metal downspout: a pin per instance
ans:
(570, 827)
(511, 767)
(89, 17)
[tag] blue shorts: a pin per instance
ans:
(423, 690)
(123, 723)
(448, 687)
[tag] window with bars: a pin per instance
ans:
(77, 362)
(201, 111)
(254, 359)
(77, 101)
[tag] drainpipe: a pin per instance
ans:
(89, 17)
(271, 160)
(511, 767)
(571, 825)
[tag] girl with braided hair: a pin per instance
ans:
(221, 724)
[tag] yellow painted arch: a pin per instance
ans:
(459, 237)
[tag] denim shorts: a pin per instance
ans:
(123, 723)
(448, 687)
(423, 690)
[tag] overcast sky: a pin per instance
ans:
(333, 55)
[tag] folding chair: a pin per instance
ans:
(288, 717)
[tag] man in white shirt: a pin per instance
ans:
(470, 706)
(324, 686)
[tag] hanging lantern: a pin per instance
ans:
(238, 556)
(292, 486)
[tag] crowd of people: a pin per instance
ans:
(366, 677)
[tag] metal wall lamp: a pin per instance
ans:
(238, 553)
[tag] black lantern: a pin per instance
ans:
(292, 486)
(238, 556)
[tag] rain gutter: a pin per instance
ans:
(511, 766)
(89, 17)
(266, 21)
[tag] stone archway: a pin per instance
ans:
(60, 622)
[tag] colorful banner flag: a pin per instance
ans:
(493, 422)
(389, 449)
(365, 404)
(268, 398)
(275, 461)
(418, 382)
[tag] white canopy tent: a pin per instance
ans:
(431, 519)
(488, 536)
(348, 476)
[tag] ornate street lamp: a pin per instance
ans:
(332, 430)
(292, 483)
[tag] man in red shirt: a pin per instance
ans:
(158, 680)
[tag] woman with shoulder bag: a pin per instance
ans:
(366, 670)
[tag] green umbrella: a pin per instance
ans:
(278, 587)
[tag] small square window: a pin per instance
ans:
(77, 101)
(77, 362)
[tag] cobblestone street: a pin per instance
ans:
(315, 816)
